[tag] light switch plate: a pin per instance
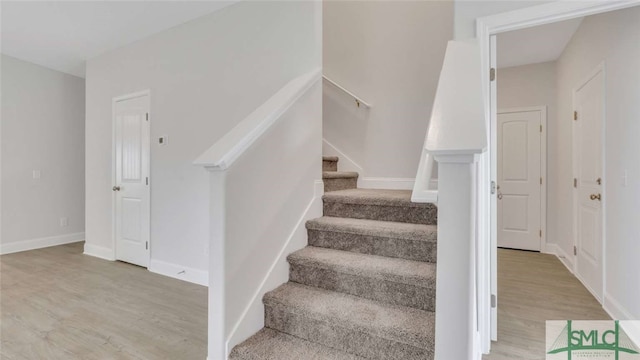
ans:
(163, 140)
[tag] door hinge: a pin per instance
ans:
(575, 182)
(540, 232)
(147, 116)
(493, 187)
(575, 250)
(147, 245)
(575, 115)
(492, 74)
(494, 301)
(147, 180)
(541, 180)
(540, 128)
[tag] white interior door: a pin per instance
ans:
(519, 179)
(589, 115)
(131, 188)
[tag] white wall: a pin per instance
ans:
(535, 85)
(389, 53)
(204, 77)
(615, 39)
(467, 11)
(279, 170)
(42, 129)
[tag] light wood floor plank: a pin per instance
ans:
(533, 288)
(56, 303)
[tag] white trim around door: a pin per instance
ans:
(486, 29)
(132, 233)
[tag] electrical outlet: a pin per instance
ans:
(163, 140)
(64, 222)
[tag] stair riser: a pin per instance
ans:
(329, 165)
(389, 292)
(340, 184)
(414, 215)
(374, 245)
(334, 335)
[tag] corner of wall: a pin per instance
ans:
(99, 252)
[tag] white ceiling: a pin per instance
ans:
(62, 35)
(536, 44)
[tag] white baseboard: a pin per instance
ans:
(344, 162)
(34, 244)
(99, 252)
(615, 309)
(632, 329)
(252, 318)
(200, 277)
(564, 258)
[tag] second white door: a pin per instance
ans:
(520, 180)
(131, 188)
(587, 160)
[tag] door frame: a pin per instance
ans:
(543, 164)
(114, 101)
(486, 29)
(600, 68)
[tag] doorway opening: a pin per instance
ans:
(576, 228)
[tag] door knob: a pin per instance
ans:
(595, 197)
(116, 188)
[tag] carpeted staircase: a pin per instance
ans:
(364, 288)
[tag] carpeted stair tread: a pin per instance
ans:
(397, 324)
(377, 204)
(374, 197)
(390, 229)
(269, 344)
(339, 180)
(339, 175)
(416, 273)
(329, 163)
(384, 238)
(388, 280)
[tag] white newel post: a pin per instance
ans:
(217, 321)
(456, 284)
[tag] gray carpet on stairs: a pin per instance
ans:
(388, 280)
(349, 323)
(339, 180)
(384, 238)
(329, 163)
(269, 344)
(364, 288)
(384, 205)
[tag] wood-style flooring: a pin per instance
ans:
(57, 303)
(533, 288)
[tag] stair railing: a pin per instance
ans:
(246, 246)
(456, 140)
(358, 101)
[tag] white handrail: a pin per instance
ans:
(357, 99)
(227, 150)
(456, 139)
